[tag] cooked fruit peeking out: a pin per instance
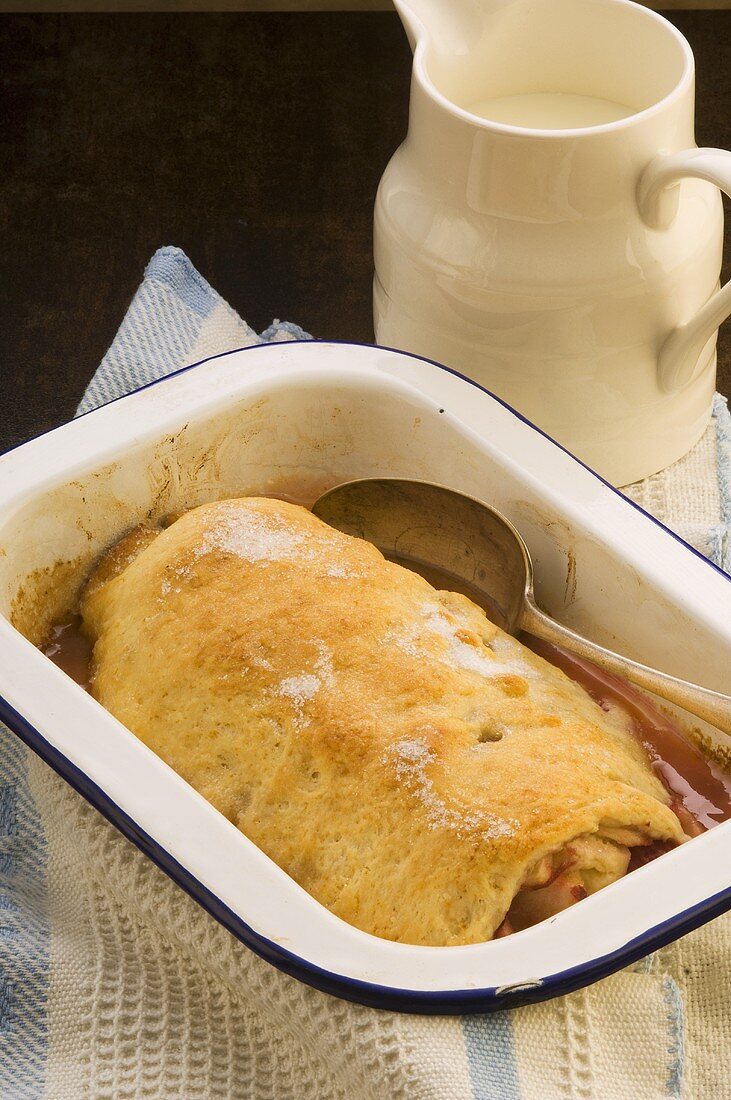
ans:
(422, 774)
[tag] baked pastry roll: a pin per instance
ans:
(417, 770)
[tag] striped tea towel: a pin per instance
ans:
(114, 984)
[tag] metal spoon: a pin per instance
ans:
(431, 526)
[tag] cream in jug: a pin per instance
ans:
(550, 110)
(549, 229)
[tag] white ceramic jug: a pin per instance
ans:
(572, 271)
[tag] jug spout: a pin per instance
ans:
(450, 26)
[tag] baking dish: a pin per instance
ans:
(293, 418)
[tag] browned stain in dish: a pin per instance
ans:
(569, 594)
(46, 595)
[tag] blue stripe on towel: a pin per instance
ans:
(159, 330)
(8, 826)
(278, 329)
(491, 1056)
(6, 1003)
(161, 327)
(676, 1051)
(24, 929)
(172, 267)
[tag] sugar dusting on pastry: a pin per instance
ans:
(300, 688)
(411, 758)
(460, 652)
(324, 663)
(259, 537)
(464, 650)
(303, 687)
(253, 536)
(173, 579)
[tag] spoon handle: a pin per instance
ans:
(712, 706)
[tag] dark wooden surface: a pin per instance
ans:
(254, 142)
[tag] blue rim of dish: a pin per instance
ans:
(432, 1002)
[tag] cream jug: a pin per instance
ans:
(548, 227)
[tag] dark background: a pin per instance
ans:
(255, 142)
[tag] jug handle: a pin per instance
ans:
(657, 197)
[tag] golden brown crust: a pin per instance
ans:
(119, 556)
(342, 713)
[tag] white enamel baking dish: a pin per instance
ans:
(300, 416)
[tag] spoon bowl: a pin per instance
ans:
(460, 543)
